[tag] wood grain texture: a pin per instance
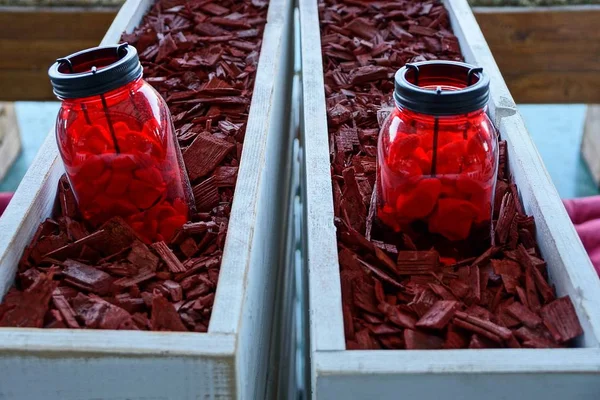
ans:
(337, 373)
(31, 38)
(230, 360)
(326, 322)
(10, 137)
(546, 54)
(459, 374)
(251, 257)
(590, 143)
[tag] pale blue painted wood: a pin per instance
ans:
(35, 120)
(556, 130)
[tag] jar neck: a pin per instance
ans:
(405, 113)
(108, 96)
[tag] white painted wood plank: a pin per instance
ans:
(524, 10)
(461, 374)
(240, 328)
(89, 365)
(325, 296)
(53, 342)
(376, 362)
(258, 158)
(154, 377)
(256, 223)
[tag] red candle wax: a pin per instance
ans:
(437, 153)
(118, 145)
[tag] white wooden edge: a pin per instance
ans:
(10, 137)
(459, 374)
(235, 266)
(458, 361)
(89, 343)
(325, 318)
(569, 265)
(537, 9)
(34, 199)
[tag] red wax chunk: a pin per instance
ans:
(419, 202)
(129, 182)
(453, 218)
(438, 173)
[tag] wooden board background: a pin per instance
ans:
(32, 38)
(546, 54)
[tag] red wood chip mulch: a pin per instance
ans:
(398, 295)
(202, 58)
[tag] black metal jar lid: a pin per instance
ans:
(95, 71)
(441, 88)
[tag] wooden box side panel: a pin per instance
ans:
(116, 378)
(491, 386)
(325, 296)
(257, 281)
(458, 374)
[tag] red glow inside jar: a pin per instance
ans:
(118, 144)
(437, 153)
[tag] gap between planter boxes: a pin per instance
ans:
(230, 361)
(470, 374)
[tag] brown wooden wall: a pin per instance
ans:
(32, 38)
(547, 55)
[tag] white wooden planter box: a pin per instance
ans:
(230, 361)
(449, 374)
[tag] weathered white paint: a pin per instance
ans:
(466, 374)
(505, 374)
(10, 137)
(327, 325)
(230, 361)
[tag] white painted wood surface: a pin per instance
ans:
(230, 361)
(10, 137)
(466, 374)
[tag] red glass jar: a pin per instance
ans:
(438, 153)
(118, 144)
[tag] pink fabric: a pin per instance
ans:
(4, 200)
(585, 214)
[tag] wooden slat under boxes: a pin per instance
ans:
(337, 373)
(230, 360)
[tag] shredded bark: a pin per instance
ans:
(202, 58)
(408, 292)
